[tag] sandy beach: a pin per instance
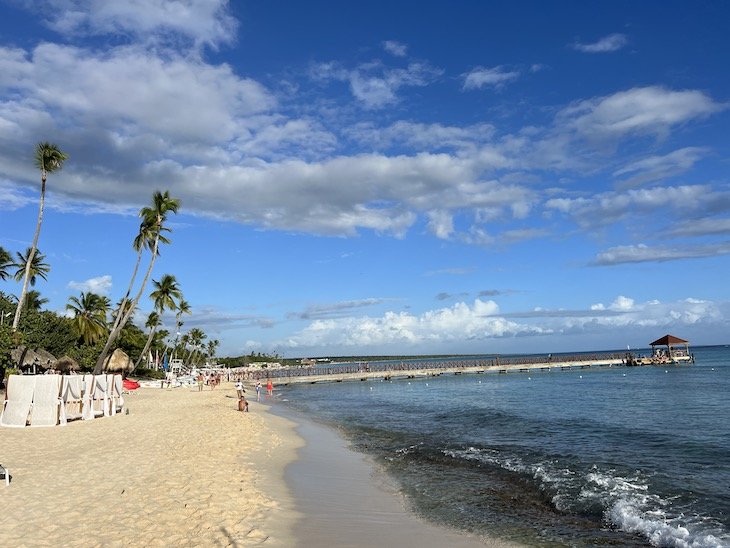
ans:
(184, 468)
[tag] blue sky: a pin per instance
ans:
(383, 177)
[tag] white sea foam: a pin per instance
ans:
(626, 501)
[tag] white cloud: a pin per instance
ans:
(610, 207)
(480, 77)
(200, 21)
(395, 48)
(441, 224)
(462, 324)
(642, 253)
(459, 322)
(649, 110)
(612, 42)
(101, 285)
(655, 167)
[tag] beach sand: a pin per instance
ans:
(184, 468)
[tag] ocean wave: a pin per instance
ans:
(624, 501)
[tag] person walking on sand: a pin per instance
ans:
(240, 390)
(200, 380)
(270, 388)
(258, 390)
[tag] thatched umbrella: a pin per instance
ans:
(23, 357)
(48, 360)
(119, 362)
(67, 363)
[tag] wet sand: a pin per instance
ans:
(348, 502)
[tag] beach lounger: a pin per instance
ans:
(117, 388)
(18, 401)
(87, 397)
(47, 408)
(100, 397)
(71, 396)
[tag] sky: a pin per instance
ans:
(401, 177)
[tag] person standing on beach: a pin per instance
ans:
(258, 390)
(200, 382)
(270, 388)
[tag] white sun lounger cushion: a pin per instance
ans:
(71, 396)
(87, 395)
(47, 408)
(101, 396)
(19, 399)
(117, 396)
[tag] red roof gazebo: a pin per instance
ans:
(671, 342)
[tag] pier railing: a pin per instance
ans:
(403, 367)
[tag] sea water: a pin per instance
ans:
(609, 456)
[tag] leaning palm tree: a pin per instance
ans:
(89, 312)
(6, 261)
(166, 295)
(153, 219)
(48, 158)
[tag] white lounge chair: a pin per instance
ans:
(87, 397)
(47, 408)
(117, 388)
(71, 396)
(18, 401)
(100, 397)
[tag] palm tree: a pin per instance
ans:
(166, 294)
(29, 270)
(152, 323)
(152, 220)
(183, 307)
(35, 266)
(196, 338)
(48, 158)
(89, 312)
(34, 301)
(212, 345)
(6, 261)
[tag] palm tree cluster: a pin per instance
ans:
(98, 327)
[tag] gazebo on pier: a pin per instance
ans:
(676, 349)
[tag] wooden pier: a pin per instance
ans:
(364, 371)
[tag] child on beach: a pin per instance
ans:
(270, 388)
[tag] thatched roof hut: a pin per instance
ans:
(66, 363)
(119, 362)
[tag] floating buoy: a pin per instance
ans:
(529, 378)
(580, 376)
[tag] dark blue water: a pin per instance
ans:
(610, 456)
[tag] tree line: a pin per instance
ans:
(93, 328)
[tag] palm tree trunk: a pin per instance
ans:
(146, 348)
(118, 329)
(120, 312)
(21, 299)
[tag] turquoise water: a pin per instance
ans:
(610, 456)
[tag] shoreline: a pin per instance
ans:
(346, 500)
